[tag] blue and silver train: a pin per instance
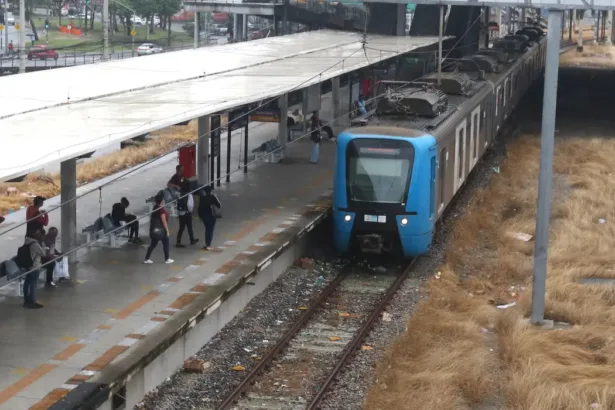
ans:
(396, 175)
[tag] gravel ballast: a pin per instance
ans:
(265, 319)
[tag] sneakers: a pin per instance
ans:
(205, 248)
(149, 261)
(179, 245)
(50, 285)
(193, 241)
(135, 240)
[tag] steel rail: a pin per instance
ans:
(356, 341)
(287, 337)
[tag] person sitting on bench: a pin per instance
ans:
(119, 215)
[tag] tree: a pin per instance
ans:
(167, 8)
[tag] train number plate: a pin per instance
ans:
(375, 218)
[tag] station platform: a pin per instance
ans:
(116, 304)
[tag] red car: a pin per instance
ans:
(42, 52)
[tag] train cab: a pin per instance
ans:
(384, 200)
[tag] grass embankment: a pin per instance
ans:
(461, 352)
(598, 56)
(92, 40)
(97, 168)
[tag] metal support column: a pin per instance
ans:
(202, 147)
(484, 41)
(283, 126)
(440, 30)
(336, 100)
(304, 107)
(68, 186)
(285, 19)
(580, 32)
(509, 20)
(570, 16)
(244, 28)
(245, 147)
(197, 34)
(612, 27)
(105, 27)
(22, 36)
(523, 18)
(235, 27)
(228, 148)
(596, 26)
(546, 167)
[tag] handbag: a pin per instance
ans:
(215, 211)
(156, 231)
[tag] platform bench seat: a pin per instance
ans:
(362, 120)
(101, 227)
(9, 271)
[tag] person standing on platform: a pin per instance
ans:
(36, 217)
(185, 206)
(159, 230)
(315, 137)
(209, 207)
(29, 257)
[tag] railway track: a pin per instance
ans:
(298, 371)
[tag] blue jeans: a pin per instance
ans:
(154, 243)
(315, 153)
(210, 224)
(29, 287)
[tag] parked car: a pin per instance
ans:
(42, 52)
(10, 19)
(147, 49)
(137, 21)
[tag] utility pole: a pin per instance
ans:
(105, 27)
(22, 36)
(6, 26)
(545, 178)
(440, 29)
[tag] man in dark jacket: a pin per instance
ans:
(119, 215)
(208, 205)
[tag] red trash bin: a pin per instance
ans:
(187, 159)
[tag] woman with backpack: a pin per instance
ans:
(185, 205)
(158, 230)
(209, 211)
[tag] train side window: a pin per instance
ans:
(432, 189)
(506, 92)
(497, 100)
(441, 182)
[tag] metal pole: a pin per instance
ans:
(219, 165)
(440, 29)
(6, 26)
(245, 147)
(212, 157)
(105, 27)
(570, 13)
(196, 29)
(22, 36)
(545, 179)
(228, 146)
(580, 38)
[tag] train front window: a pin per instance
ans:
(379, 170)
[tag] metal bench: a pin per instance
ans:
(9, 271)
(267, 151)
(103, 226)
(168, 198)
(362, 120)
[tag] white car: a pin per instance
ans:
(137, 21)
(147, 49)
(10, 19)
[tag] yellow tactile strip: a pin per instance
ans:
(181, 302)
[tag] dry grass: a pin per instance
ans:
(15, 195)
(460, 352)
(599, 55)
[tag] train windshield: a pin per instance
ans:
(379, 170)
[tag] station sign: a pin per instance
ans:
(266, 115)
(214, 150)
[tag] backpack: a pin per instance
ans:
(182, 204)
(24, 257)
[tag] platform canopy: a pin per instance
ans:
(61, 114)
(537, 4)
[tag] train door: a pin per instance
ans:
(432, 188)
(460, 158)
(474, 136)
(442, 180)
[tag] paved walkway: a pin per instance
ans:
(114, 294)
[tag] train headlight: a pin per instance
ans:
(347, 218)
(404, 221)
